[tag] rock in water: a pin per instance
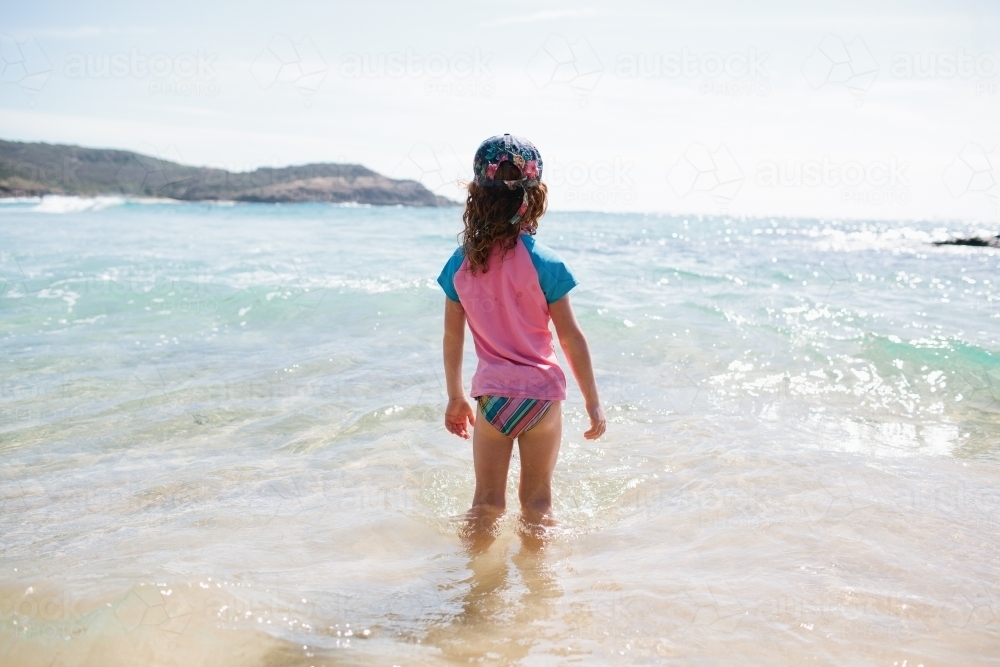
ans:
(973, 241)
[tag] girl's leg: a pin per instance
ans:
(539, 449)
(491, 452)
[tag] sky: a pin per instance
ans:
(830, 110)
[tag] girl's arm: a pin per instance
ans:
(574, 345)
(459, 411)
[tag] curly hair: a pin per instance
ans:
(487, 217)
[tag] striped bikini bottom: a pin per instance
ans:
(512, 416)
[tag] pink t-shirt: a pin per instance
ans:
(508, 312)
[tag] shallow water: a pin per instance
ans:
(221, 441)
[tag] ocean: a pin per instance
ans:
(222, 444)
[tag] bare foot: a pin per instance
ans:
(481, 528)
(535, 528)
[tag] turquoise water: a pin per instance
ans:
(221, 438)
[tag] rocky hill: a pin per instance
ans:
(30, 170)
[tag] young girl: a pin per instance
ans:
(509, 287)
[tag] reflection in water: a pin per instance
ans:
(501, 610)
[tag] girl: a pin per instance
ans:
(509, 287)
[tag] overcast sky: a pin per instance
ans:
(829, 110)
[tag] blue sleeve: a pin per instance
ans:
(554, 276)
(447, 278)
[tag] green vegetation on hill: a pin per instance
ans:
(36, 169)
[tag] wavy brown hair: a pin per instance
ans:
(487, 217)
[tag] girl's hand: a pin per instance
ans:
(457, 415)
(598, 424)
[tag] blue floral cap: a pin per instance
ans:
(518, 150)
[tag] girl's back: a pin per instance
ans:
(507, 307)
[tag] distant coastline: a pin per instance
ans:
(39, 169)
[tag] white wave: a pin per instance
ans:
(181, 202)
(69, 296)
(905, 239)
(20, 200)
(67, 204)
(154, 200)
(285, 284)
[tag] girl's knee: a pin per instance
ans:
(490, 499)
(536, 508)
(538, 498)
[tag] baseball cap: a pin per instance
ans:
(518, 150)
